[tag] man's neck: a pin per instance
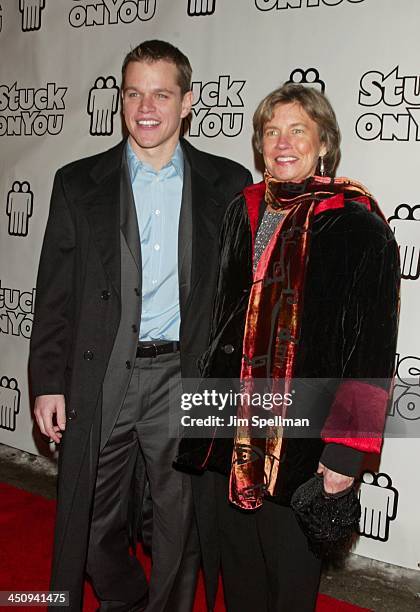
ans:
(156, 157)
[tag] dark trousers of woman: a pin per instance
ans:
(266, 563)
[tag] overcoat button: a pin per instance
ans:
(228, 349)
(137, 291)
(128, 365)
(71, 415)
(88, 355)
(105, 295)
(134, 328)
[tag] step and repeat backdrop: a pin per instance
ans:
(60, 100)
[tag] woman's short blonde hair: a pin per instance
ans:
(316, 105)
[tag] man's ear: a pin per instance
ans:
(187, 102)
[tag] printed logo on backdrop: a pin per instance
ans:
(310, 77)
(379, 503)
(395, 98)
(9, 402)
(19, 207)
(198, 8)
(269, 5)
(16, 311)
(31, 14)
(109, 12)
(102, 106)
(31, 112)
(218, 108)
(405, 406)
(406, 227)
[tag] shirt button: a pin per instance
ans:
(154, 282)
(157, 212)
(156, 247)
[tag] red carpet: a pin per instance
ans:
(26, 530)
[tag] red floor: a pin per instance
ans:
(26, 528)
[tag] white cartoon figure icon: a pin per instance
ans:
(307, 77)
(9, 402)
(102, 106)
(379, 501)
(31, 14)
(20, 201)
(406, 227)
(197, 8)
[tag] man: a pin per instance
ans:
(124, 295)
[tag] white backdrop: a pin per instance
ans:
(59, 100)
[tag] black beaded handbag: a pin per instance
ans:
(328, 520)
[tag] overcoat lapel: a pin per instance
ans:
(199, 243)
(185, 238)
(129, 225)
(102, 209)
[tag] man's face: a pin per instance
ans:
(153, 108)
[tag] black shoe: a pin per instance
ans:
(120, 606)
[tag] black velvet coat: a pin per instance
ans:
(348, 331)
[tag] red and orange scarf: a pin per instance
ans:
(274, 317)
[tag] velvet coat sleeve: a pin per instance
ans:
(352, 300)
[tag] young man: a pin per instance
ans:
(124, 295)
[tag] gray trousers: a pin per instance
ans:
(117, 576)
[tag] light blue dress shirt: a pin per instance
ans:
(158, 196)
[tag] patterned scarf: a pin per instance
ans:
(273, 322)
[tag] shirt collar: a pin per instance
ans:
(177, 160)
(134, 164)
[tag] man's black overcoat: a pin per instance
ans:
(78, 309)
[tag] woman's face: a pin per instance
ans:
(291, 145)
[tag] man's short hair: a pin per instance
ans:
(154, 50)
(316, 105)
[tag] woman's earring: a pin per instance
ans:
(321, 166)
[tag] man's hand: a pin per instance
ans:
(333, 481)
(45, 408)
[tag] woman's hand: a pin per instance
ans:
(333, 481)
